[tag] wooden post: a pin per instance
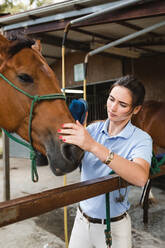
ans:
(6, 168)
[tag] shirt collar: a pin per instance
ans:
(126, 132)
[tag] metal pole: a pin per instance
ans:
(126, 38)
(6, 168)
(110, 9)
(116, 6)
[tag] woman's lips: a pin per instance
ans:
(112, 114)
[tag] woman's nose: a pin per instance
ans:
(114, 106)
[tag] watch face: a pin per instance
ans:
(109, 158)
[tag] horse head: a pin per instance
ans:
(22, 64)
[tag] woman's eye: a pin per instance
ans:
(111, 98)
(123, 105)
(25, 78)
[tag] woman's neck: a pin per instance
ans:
(116, 127)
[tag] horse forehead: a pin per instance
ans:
(31, 59)
(29, 56)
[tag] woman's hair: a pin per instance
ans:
(135, 86)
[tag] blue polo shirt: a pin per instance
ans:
(130, 143)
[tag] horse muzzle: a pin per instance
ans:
(63, 158)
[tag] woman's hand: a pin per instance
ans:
(75, 133)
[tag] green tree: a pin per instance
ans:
(5, 5)
(40, 3)
(15, 6)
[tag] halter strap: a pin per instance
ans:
(29, 145)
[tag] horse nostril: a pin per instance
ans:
(66, 151)
(72, 153)
(58, 172)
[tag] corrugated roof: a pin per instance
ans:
(48, 23)
(52, 9)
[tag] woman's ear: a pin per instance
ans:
(137, 109)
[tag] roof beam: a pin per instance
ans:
(147, 50)
(135, 27)
(132, 26)
(97, 35)
(120, 51)
(156, 8)
(148, 42)
(57, 41)
(71, 44)
(50, 56)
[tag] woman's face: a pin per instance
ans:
(119, 104)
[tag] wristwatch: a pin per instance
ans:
(109, 158)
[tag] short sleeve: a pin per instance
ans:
(143, 149)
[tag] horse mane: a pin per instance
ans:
(19, 41)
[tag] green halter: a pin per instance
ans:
(29, 145)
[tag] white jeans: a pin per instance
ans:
(90, 235)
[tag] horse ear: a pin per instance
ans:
(37, 46)
(4, 45)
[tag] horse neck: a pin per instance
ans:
(138, 119)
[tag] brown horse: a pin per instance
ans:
(151, 118)
(22, 64)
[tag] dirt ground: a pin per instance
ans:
(47, 231)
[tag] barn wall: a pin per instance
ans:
(151, 71)
(100, 68)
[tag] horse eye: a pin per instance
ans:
(25, 78)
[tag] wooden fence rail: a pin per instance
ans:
(26, 207)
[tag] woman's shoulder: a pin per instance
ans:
(97, 122)
(141, 134)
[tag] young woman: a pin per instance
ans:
(111, 145)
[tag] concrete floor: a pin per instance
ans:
(29, 234)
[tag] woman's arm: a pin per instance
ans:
(135, 172)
